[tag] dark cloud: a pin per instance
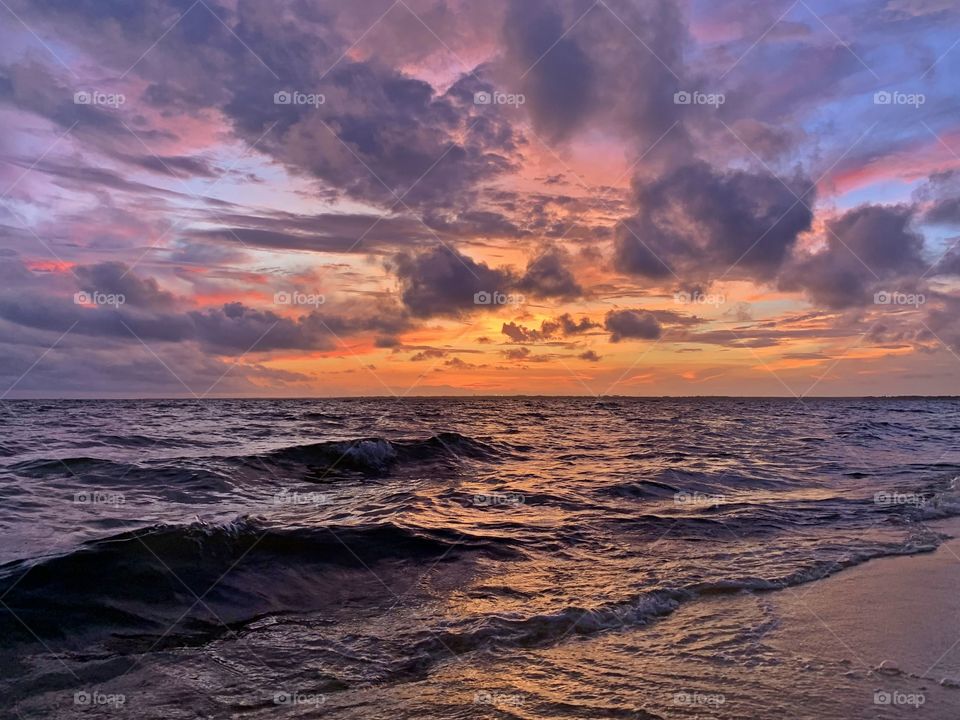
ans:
(138, 311)
(461, 364)
(180, 166)
(86, 178)
(558, 75)
(868, 249)
(548, 275)
(428, 354)
(443, 281)
(590, 356)
(523, 354)
(632, 324)
(382, 136)
(115, 278)
(561, 326)
(696, 222)
(942, 194)
(325, 232)
(474, 223)
(386, 341)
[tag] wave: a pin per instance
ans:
(376, 456)
(70, 465)
(142, 582)
(171, 481)
(543, 629)
(368, 456)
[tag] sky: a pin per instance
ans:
(443, 197)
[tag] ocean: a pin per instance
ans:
(523, 557)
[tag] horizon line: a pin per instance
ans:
(168, 398)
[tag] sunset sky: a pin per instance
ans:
(431, 197)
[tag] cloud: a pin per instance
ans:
(115, 278)
(443, 281)
(459, 364)
(558, 75)
(696, 222)
(523, 354)
(869, 248)
(428, 354)
(561, 326)
(144, 312)
(942, 193)
(548, 275)
(632, 325)
(382, 136)
(324, 232)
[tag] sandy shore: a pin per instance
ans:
(894, 621)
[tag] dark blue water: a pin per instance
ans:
(380, 558)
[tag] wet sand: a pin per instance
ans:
(894, 621)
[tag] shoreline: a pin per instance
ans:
(895, 621)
